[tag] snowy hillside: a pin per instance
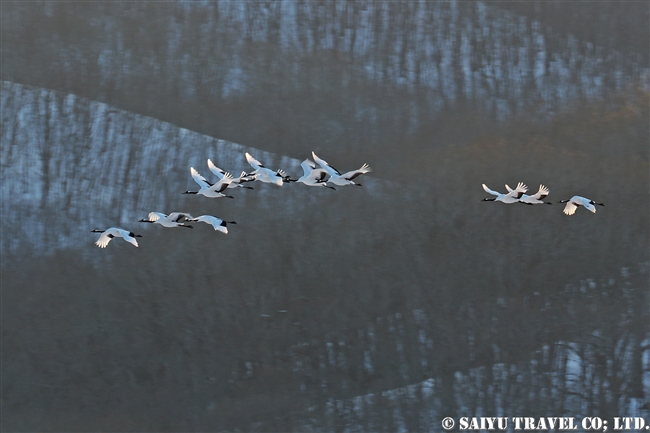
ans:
(564, 378)
(71, 165)
(459, 54)
(206, 53)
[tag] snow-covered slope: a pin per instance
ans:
(580, 377)
(70, 165)
(474, 51)
(471, 51)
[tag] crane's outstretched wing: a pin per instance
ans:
(330, 170)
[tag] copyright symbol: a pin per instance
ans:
(448, 423)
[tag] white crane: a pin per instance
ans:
(537, 198)
(575, 201)
(207, 190)
(511, 197)
(313, 176)
(266, 175)
(217, 223)
(174, 219)
(341, 179)
(235, 182)
(114, 232)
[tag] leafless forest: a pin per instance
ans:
(380, 308)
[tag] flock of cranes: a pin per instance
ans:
(518, 195)
(312, 176)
